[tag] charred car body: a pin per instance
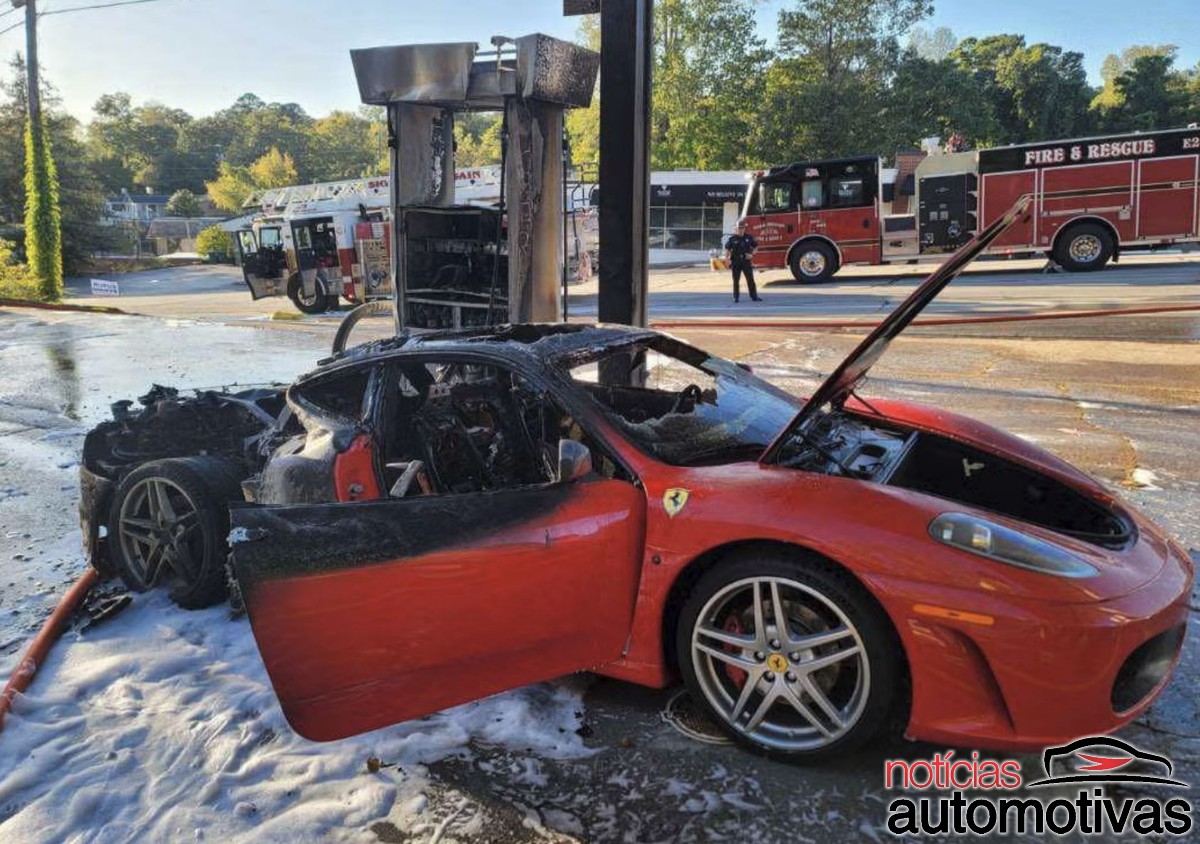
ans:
(430, 519)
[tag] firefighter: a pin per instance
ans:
(739, 251)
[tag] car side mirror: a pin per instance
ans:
(574, 461)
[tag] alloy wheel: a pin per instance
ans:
(781, 663)
(160, 533)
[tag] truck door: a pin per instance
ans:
(316, 253)
(259, 269)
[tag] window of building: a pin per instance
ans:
(693, 227)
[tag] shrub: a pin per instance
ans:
(213, 242)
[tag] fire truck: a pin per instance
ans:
(1092, 198)
(318, 243)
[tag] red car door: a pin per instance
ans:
(374, 612)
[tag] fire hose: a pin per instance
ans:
(808, 325)
(40, 647)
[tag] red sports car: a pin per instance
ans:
(432, 519)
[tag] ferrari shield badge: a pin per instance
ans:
(675, 500)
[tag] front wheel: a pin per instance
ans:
(813, 262)
(1084, 248)
(790, 655)
(318, 303)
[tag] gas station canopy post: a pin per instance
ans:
(532, 80)
(626, 41)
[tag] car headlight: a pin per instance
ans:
(1005, 545)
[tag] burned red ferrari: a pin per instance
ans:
(431, 519)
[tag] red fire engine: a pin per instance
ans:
(1092, 197)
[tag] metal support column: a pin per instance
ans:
(626, 33)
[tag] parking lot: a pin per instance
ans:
(578, 759)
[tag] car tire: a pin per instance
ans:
(1084, 247)
(813, 262)
(319, 303)
(182, 545)
(837, 680)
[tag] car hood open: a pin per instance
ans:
(841, 382)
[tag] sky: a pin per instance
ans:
(200, 55)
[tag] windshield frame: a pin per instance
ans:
(720, 370)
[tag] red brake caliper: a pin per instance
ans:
(734, 625)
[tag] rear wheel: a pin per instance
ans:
(1084, 247)
(318, 303)
(790, 655)
(813, 262)
(169, 522)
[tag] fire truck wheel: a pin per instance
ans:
(1084, 247)
(318, 303)
(813, 262)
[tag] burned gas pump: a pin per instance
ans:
(458, 265)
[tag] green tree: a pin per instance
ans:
(934, 98)
(275, 169)
(708, 65)
(825, 96)
(43, 219)
(342, 145)
(231, 188)
(1036, 92)
(583, 124)
(1115, 65)
(477, 139)
(183, 203)
(1150, 95)
(214, 241)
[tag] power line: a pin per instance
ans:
(96, 6)
(17, 25)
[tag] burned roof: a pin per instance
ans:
(542, 341)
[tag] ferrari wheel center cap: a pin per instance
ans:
(777, 663)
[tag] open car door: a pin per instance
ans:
(370, 613)
(259, 267)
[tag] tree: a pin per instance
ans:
(214, 241)
(1036, 92)
(933, 46)
(1150, 95)
(233, 185)
(343, 145)
(231, 188)
(43, 219)
(934, 98)
(824, 97)
(274, 170)
(583, 124)
(183, 203)
(477, 139)
(1115, 65)
(708, 65)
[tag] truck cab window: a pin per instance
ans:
(846, 193)
(812, 193)
(270, 238)
(775, 197)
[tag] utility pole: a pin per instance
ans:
(31, 62)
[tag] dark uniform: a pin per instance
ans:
(740, 246)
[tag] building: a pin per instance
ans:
(139, 208)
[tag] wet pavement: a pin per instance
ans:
(1126, 411)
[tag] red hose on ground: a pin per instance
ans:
(46, 637)
(806, 325)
